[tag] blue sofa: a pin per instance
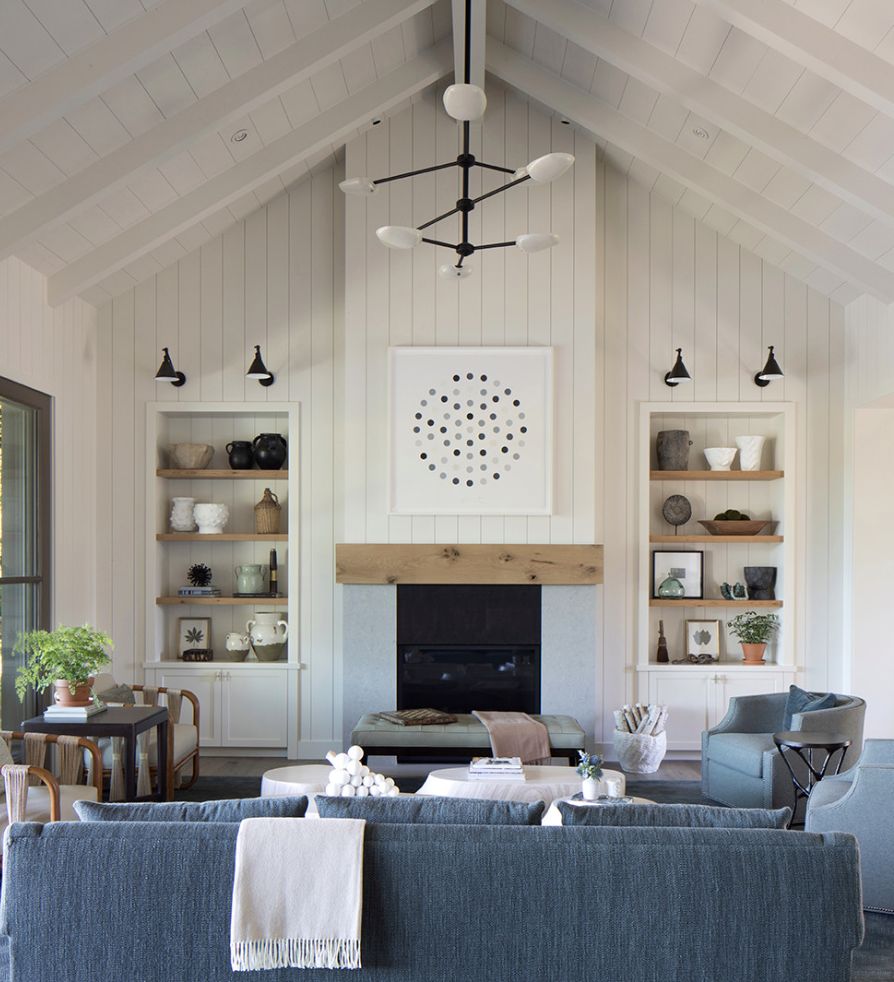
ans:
(150, 902)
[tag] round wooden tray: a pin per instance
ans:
(735, 528)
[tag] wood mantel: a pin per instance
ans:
(551, 565)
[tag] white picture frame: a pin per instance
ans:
(450, 456)
(703, 638)
(193, 632)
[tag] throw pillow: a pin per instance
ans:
(5, 753)
(800, 701)
(674, 816)
(192, 811)
(424, 810)
(120, 694)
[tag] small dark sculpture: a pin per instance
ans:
(736, 592)
(702, 659)
(199, 575)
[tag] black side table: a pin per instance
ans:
(802, 744)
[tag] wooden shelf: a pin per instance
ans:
(692, 602)
(222, 537)
(671, 539)
(224, 601)
(221, 475)
(716, 475)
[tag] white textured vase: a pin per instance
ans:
(750, 449)
(182, 514)
(211, 518)
(720, 458)
(590, 788)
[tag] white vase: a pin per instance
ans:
(211, 517)
(182, 514)
(591, 788)
(720, 458)
(750, 448)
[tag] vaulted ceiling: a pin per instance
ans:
(133, 131)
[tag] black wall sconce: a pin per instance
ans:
(167, 373)
(678, 373)
(769, 372)
(258, 369)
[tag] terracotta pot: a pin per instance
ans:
(753, 654)
(81, 697)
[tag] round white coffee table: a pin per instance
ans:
(552, 815)
(282, 782)
(540, 784)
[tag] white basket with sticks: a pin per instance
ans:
(640, 737)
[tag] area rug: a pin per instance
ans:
(669, 792)
(220, 788)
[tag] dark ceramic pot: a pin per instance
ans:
(672, 447)
(270, 451)
(241, 456)
(760, 581)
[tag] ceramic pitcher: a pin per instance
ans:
(267, 627)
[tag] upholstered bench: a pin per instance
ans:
(467, 737)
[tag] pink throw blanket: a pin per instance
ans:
(517, 735)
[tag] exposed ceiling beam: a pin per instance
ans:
(330, 126)
(689, 170)
(477, 30)
(724, 108)
(112, 58)
(806, 41)
(231, 101)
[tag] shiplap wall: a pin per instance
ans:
(54, 351)
(274, 279)
(633, 278)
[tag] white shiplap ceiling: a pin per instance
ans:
(770, 120)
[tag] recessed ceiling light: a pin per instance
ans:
(700, 133)
(239, 136)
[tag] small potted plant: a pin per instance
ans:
(753, 631)
(590, 769)
(67, 658)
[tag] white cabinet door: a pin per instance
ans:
(255, 710)
(690, 700)
(205, 685)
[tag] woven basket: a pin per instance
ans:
(267, 514)
(638, 753)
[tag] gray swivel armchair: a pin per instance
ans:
(741, 765)
(859, 801)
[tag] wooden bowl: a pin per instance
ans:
(735, 528)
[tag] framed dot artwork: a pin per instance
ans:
(470, 431)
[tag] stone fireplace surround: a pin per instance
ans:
(568, 645)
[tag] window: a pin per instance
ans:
(24, 532)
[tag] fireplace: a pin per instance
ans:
(467, 647)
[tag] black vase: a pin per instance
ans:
(760, 581)
(672, 448)
(270, 451)
(240, 455)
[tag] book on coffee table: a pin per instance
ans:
(496, 769)
(417, 717)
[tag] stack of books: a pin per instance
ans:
(496, 769)
(69, 714)
(199, 591)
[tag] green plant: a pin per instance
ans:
(70, 653)
(752, 628)
(590, 766)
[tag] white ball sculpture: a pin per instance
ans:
(349, 778)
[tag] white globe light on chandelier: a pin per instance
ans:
(548, 168)
(537, 241)
(361, 186)
(399, 236)
(451, 272)
(465, 102)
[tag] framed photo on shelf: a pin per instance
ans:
(194, 632)
(687, 567)
(703, 638)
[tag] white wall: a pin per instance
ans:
(54, 351)
(634, 278)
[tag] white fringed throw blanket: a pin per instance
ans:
(516, 735)
(297, 894)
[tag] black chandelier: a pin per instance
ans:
(466, 102)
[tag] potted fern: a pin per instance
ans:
(754, 631)
(67, 658)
